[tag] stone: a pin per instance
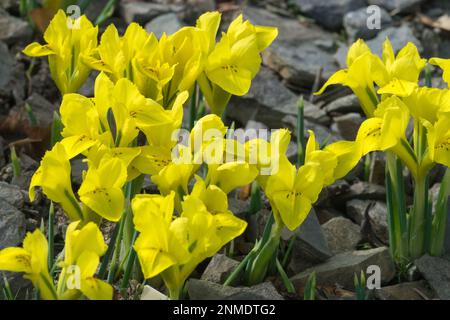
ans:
(13, 30)
(348, 125)
(237, 206)
(310, 246)
(299, 51)
(42, 109)
(194, 8)
(341, 268)
(206, 290)
(436, 271)
(12, 194)
(149, 293)
(356, 24)
(11, 79)
(269, 100)
(343, 104)
(142, 12)
(416, 290)
(167, 23)
(328, 13)
(399, 37)
(398, 6)
(377, 216)
(219, 268)
(378, 220)
(366, 191)
(12, 225)
(342, 234)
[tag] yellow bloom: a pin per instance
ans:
(357, 76)
(397, 74)
(386, 129)
(427, 103)
(157, 246)
(231, 175)
(83, 248)
(53, 176)
(32, 261)
(438, 137)
(444, 64)
(292, 193)
(348, 154)
(67, 40)
(234, 62)
(101, 189)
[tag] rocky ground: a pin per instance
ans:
(347, 231)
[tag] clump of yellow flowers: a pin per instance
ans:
(390, 96)
(132, 129)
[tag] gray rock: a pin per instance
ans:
(379, 222)
(436, 271)
(342, 234)
(365, 191)
(355, 24)
(344, 104)
(417, 290)
(42, 109)
(9, 4)
(377, 217)
(269, 100)
(142, 12)
(328, 13)
(299, 51)
(398, 6)
(167, 23)
(206, 290)
(219, 268)
(11, 78)
(310, 246)
(13, 30)
(399, 37)
(341, 268)
(12, 225)
(194, 8)
(237, 206)
(12, 194)
(348, 125)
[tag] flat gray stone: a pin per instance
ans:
(206, 290)
(341, 268)
(268, 101)
(142, 12)
(310, 246)
(12, 225)
(417, 290)
(348, 125)
(13, 30)
(436, 271)
(328, 13)
(342, 234)
(398, 6)
(167, 23)
(299, 51)
(12, 194)
(355, 23)
(219, 268)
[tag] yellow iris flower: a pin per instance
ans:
(67, 40)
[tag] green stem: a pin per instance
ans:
(300, 132)
(129, 266)
(418, 218)
(109, 252)
(396, 203)
(440, 217)
(50, 234)
(264, 258)
(115, 256)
